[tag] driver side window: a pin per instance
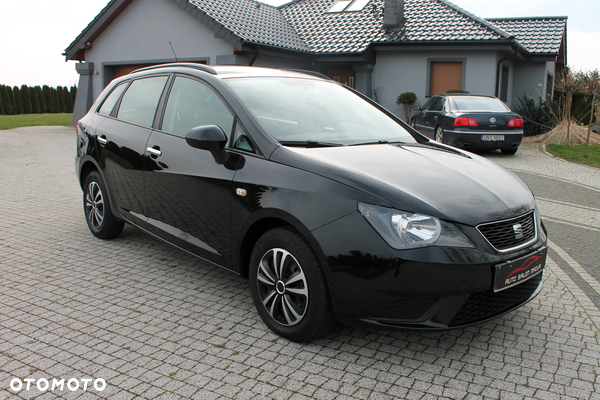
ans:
(192, 103)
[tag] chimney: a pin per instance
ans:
(393, 13)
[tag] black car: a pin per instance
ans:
(330, 205)
(470, 122)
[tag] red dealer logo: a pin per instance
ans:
(528, 263)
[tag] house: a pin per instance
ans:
(380, 47)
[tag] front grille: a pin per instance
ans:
(502, 236)
(485, 305)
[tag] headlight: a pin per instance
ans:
(403, 230)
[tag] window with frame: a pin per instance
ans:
(192, 103)
(140, 101)
(111, 101)
(445, 76)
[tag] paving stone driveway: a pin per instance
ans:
(154, 322)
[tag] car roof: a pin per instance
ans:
(231, 71)
(467, 95)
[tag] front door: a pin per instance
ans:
(188, 194)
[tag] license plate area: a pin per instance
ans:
(512, 273)
(492, 138)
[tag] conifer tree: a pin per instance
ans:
(18, 99)
(55, 100)
(8, 108)
(1, 101)
(13, 100)
(47, 95)
(68, 100)
(26, 99)
(35, 100)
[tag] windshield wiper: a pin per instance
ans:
(377, 142)
(308, 143)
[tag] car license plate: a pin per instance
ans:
(515, 272)
(492, 138)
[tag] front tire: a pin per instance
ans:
(98, 213)
(288, 286)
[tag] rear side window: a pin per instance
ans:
(191, 104)
(438, 104)
(111, 100)
(141, 99)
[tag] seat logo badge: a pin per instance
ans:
(518, 230)
(493, 120)
(241, 192)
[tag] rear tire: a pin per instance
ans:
(439, 135)
(288, 286)
(510, 151)
(96, 206)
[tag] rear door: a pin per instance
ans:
(432, 116)
(122, 139)
(188, 194)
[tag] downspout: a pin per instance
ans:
(256, 54)
(498, 71)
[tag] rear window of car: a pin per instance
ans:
(141, 100)
(478, 104)
(110, 102)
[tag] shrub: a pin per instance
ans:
(407, 99)
(539, 117)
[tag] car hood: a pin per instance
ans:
(430, 179)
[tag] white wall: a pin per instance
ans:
(399, 72)
(142, 33)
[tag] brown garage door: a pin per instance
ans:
(120, 70)
(445, 76)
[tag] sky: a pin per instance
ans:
(35, 33)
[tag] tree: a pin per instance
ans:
(568, 84)
(43, 107)
(73, 92)
(18, 99)
(590, 86)
(6, 101)
(47, 99)
(407, 99)
(1, 101)
(68, 100)
(13, 100)
(55, 100)
(35, 100)
(26, 99)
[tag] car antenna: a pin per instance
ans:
(176, 60)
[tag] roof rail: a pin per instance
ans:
(202, 67)
(309, 72)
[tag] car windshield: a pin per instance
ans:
(484, 104)
(297, 110)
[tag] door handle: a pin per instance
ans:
(154, 151)
(102, 140)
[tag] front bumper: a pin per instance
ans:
(430, 288)
(472, 140)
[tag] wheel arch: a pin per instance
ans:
(263, 221)
(86, 168)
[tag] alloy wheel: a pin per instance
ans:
(282, 287)
(94, 205)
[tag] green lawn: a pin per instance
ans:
(16, 121)
(575, 153)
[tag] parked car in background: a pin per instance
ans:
(332, 207)
(470, 122)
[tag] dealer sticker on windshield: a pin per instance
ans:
(515, 272)
(492, 138)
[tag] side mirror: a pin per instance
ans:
(417, 108)
(211, 138)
